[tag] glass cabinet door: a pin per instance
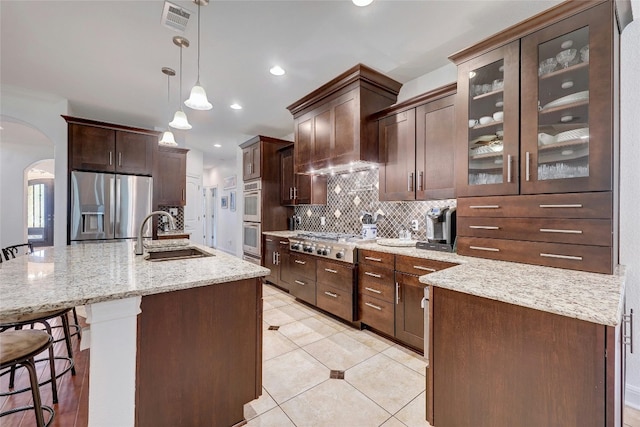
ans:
(564, 90)
(489, 132)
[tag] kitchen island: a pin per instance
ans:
(172, 342)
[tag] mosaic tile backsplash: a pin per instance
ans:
(349, 195)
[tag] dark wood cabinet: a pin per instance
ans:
(251, 162)
(299, 189)
(498, 364)
(207, 371)
(104, 147)
(330, 126)
(376, 290)
(276, 257)
(170, 177)
(301, 277)
(335, 288)
(416, 143)
(409, 321)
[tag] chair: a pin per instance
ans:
(19, 348)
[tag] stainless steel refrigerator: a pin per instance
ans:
(108, 206)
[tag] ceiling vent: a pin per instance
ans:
(175, 17)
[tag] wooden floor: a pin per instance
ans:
(73, 396)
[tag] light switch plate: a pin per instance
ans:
(173, 211)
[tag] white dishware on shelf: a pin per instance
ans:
(485, 120)
(584, 54)
(546, 139)
(497, 84)
(500, 133)
(577, 135)
(566, 44)
(567, 118)
(472, 122)
(569, 99)
(547, 66)
(566, 56)
(498, 116)
(484, 139)
(567, 85)
(499, 103)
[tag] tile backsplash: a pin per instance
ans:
(349, 195)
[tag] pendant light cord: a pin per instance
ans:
(180, 96)
(198, 82)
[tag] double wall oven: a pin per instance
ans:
(251, 221)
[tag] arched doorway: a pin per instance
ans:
(40, 203)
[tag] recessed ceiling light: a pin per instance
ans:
(236, 106)
(277, 70)
(362, 3)
(217, 145)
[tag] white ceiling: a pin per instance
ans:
(105, 56)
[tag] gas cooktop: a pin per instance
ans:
(336, 246)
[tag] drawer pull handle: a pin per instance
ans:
(370, 258)
(485, 207)
(578, 205)
(283, 242)
(575, 258)
(553, 230)
(419, 267)
(375, 291)
(330, 270)
(373, 306)
(300, 282)
(482, 248)
(377, 276)
(484, 227)
(331, 294)
(297, 261)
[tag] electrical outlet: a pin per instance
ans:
(414, 224)
(323, 221)
(173, 211)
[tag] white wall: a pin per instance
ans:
(629, 192)
(43, 114)
(228, 224)
(439, 77)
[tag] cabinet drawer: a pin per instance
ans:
(596, 232)
(335, 301)
(595, 259)
(575, 205)
(420, 266)
(335, 275)
(376, 313)
(368, 286)
(376, 258)
(302, 266)
(303, 288)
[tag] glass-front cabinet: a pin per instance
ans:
(488, 123)
(566, 131)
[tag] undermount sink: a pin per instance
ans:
(174, 254)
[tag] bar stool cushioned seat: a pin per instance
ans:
(19, 348)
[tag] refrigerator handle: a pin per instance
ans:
(114, 190)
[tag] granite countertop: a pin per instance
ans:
(83, 273)
(593, 297)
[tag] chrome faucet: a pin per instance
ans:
(172, 226)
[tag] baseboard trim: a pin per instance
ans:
(632, 396)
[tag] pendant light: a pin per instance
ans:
(180, 118)
(167, 136)
(198, 98)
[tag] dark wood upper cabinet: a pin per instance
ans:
(330, 124)
(170, 177)
(558, 130)
(417, 147)
(103, 147)
(251, 162)
(299, 189)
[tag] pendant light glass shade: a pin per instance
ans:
(167, 138)
(198, 98)
(180, 121)
(180, 118)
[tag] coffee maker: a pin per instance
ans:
(441, 228)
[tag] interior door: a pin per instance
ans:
(193, 222)
(40, 212)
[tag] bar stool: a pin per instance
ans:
(19, 347)
(19, 321)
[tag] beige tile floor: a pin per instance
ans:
(383, 385)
